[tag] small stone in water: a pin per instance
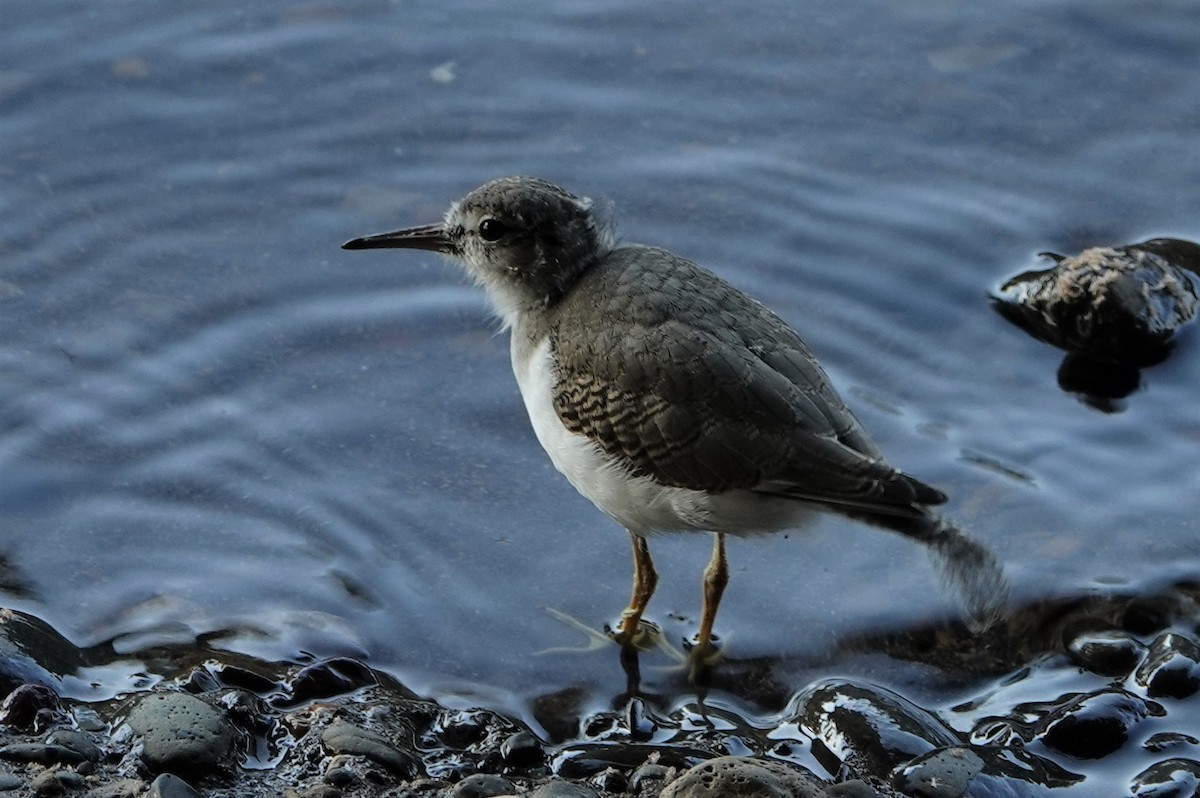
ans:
(1171, 778)
(1108, 653)
(1114, 304)
(1172, 668)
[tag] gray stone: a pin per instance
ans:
(9, 782)
(125, 788)
(482, 785)
(77, 741)
(344, 738)
(181, 733)
(745, 778)
(168, 785)
(942, 774)
(563, 789)
(41, 753)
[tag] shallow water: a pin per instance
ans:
(216, 425)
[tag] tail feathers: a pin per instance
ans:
(967, 568)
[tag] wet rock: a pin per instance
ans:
(482, 785)
(981, 770)
(871, 728)
(650, 772)
(41, 753)
(76, 741)
(345, 738)
(745, 778)
(522, 750)
(9, 782)
(340, 772)
(245, 679)
(123, 788)
(563, 789)
(181, 733)
(1164, 741)
(1108, 653)
(1095, 725)
(1115, 304)
(941, 774)
(168, 785)
(1172, 668)
(24, 705)
(325, 679)
(32, 652)
(462, 728)
(1171, 778)
(609, 780)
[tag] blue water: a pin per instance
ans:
(216, 424)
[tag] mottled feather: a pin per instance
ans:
(695, 384)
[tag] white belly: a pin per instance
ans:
(638, 503)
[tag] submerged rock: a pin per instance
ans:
(1111, 304)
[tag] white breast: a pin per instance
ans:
(638, 503)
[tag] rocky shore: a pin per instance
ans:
(223, 725)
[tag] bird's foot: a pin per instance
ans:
(639, 634)
(595, 639)
(702, 657)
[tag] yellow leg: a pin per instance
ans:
(716, 576)
(645, 579)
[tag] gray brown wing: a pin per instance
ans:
(700, 387)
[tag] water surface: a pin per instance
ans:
(218, 426)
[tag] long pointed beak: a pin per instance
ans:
(431, 237)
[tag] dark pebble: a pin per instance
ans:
(1171, 778)
(41, 753)
(10, 782)
(745, 778)
(21, 707)
(1172, 668)
(1097, 724)
(522, 750)
(341, 777)
(651, 771)
(609, 780)
(482, 785)
(181, 733)
(171, 786)
(326, 679)
(344, 738)
(1106, 653)
(462, 728)
(77, 741)
(233, 676)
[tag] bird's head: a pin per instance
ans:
(524, 239)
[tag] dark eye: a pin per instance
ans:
(492, 230)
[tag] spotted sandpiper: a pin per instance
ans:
(668, 397)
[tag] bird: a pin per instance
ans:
(671, 399)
